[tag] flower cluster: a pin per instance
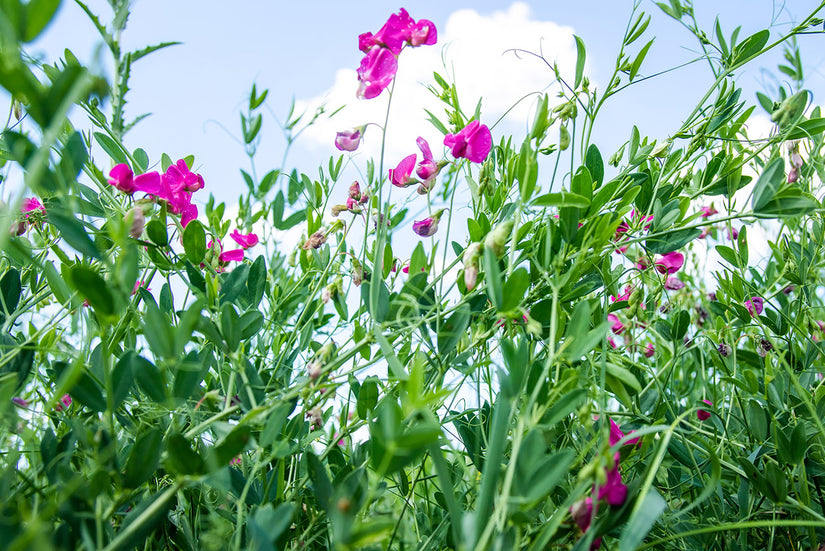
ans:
(175, 187)
(380, 62)
(245, 240)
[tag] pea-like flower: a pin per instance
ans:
(674, 283)
(401, 175)
(428, 226)
(473, 142)
(122, 177)
(755, 305)
(349, 140)
(704, 415)
(670, 263)
(245, 240)
(376, 71)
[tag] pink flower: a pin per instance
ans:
(674, 284)
(32, 204)
(122, 177)
(617, 326)
(235, 255)
(20, 402)
(400, 29)
(702, 414)
(624, 296)
(65, 401)
(755, 305)
(650, 350)
(708, 211)
(423, 33)
(613, 491)
(793, 175)
(622, 229)
(705, 232)
(235, 461)
(473, 142)
(428, 226)
(138, 284)
(670, 263)
(427, 169)
(582, 513)
(180, 178)
(733, 234)
(244, 240)
(188, 213)
(400, 176)
(349, 140)
(634, 215)
(616, 435)
(377, 70)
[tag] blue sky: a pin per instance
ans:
(308, 51)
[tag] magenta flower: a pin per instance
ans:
(702, 414)
(473, 142)
(613, 491)
(634, 215)
(708, 211)
(616, 435)
(401, 175)
(582, 513)
(428, 226)
(400, 29)
(32, 204)
(793, 175)
(122, 177)
(674, 284)
(650, 350)
(621, 229)
(244, 240)
(377, 70)
(670, 263)
(20, 402)
(188, 213)
(755, 305)
(423, 33)
(349, 140)
(624, 296)
(235, 255)
(617, 326)
(733, 234)
(65, 401)
(180, 178)
(427, 169)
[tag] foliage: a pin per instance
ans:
(160, 391)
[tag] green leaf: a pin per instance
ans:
(492, 276)
(141, 158)
(122, 379)
(367, 397)
(642, 519)
(268, 523)
(157, 330)
(561, 199)
(39, 13)
(514, 289)
(769, 182)
(10, 291)
(581, 55)
(640, 57)
(194, 242)
(230, 446)
(624, 375)
(548, 474)
(671, 241)
(143, 459)
(111, 147)
(156, 230)
(148, 377)
(180, 457)
(750, 47)
(321, 484)
(230, 326)
(453, 329)
(256, 282)
(73, 232)
(234, 283)
(807, 129)
(594, 163)
(93, 288)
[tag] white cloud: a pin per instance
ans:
(477, 51)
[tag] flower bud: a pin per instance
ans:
(349, 140)
(138, 220)
(357, 273)
(19, 227)
(496, 240)
(724, 349)
(315, 241)
(338, 209)
(355, 191)
(314, 370)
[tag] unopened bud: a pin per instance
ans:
(724, 349)
(18, 228)
(314, 370)
(17, 109)
(355, 191)
(338, 209)
(564, 137)
(497, 238)
(357, 273)
(315, 241)
(138, 220)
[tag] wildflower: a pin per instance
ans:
(755, 305)
(400, 176)
(428, 226)
(705, 232)
(235, 461)
(138, 284)
(708, 211)
(349, 140)
(65, 401)
(733, 234)
(122, 177)
(670, 263)
(314, 370)
(613, 490)
(497, 238)
(473, 142)
(400, 29)
(20, 402)
(244, 240)
(376, 71)
(224, 257)
(427, 169)
(471, 260)
(702, 414)
(650, 350)
(674, 284)
(793, 175)
(315, 418)
(764, 347)
(616, 435)
(624, 296)
(724, 349)
(617, 326)
(789, 289)
(643, 219)
(180, 178)
(32, 204)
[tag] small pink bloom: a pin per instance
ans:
(235, 255)
(180, 178)
(702, 414)
(188, 213)
(400, 176)
(624, 296)
(427, 169)
(616, 435)
(613, 491)
(349, 140)
(705, 232)
(32, 204)
(122, 177)
(733, 234)
(138, 284)
(473, 142)
(793, 175)
(611, 342)
(245, 240)
(670, 263)
(708, 211)
(674, 283)
(755, 305)
(796, 160)
(617, 326)
(376, 71)
(65, 401)
(650, 350)
(314, 241)
(582, 513)
(621, 229)
(638, 215)
(643, 263)
(235, 461)
(428, 226)
(20, 402)
(423, 33)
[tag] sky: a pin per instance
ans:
(307, 52)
